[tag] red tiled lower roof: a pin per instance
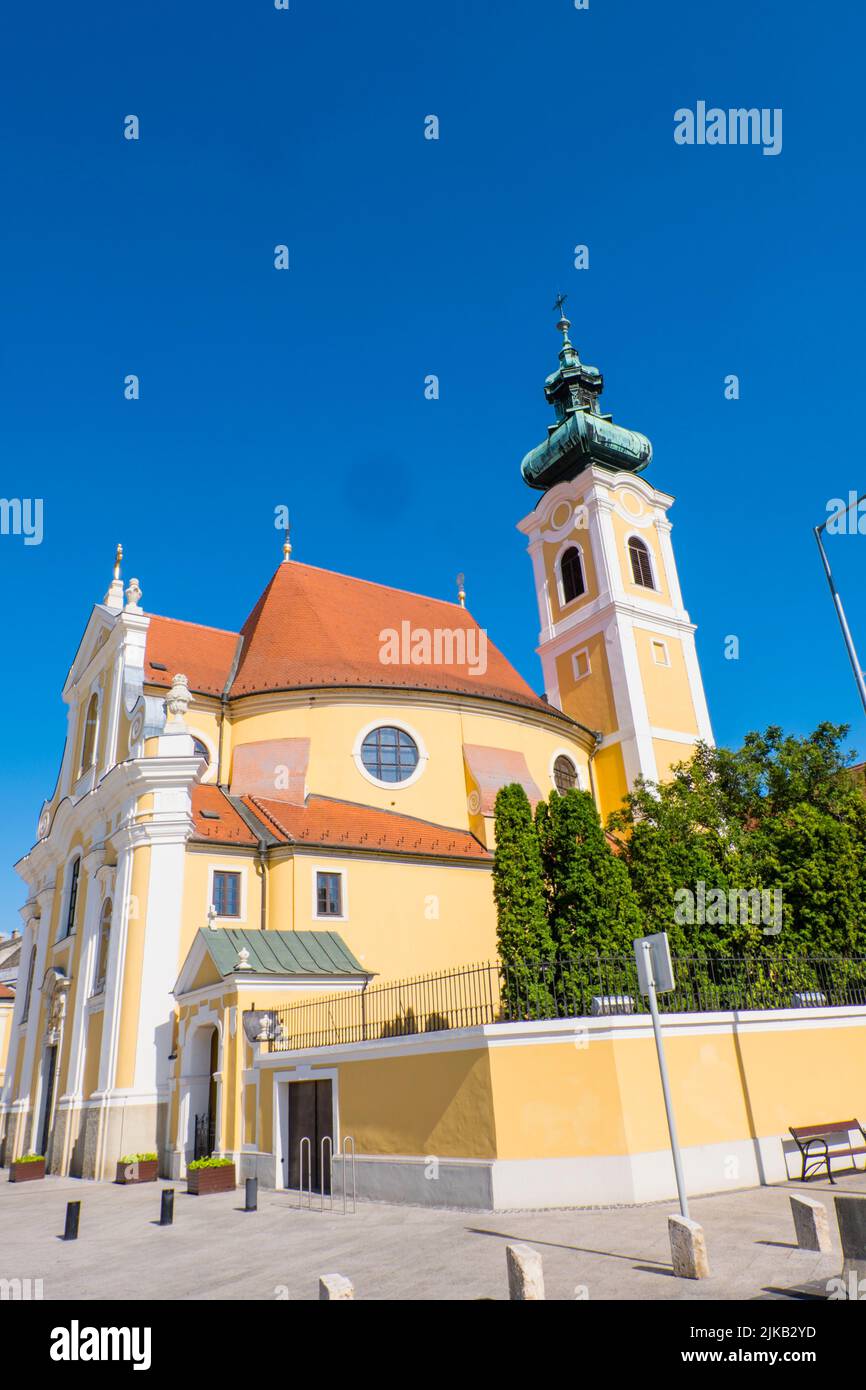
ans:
(347, 825)
(203, 654)
(215, 818)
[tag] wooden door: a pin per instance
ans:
(311, 1116)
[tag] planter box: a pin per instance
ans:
(27, 1172)
(201, 1181)
(129, 1173)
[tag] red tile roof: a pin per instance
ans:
(215, 818)
(346, 825)
(203, 654)
(314, 628)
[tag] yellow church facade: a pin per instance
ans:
(303, 810)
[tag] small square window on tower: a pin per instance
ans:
(661, 655)
(580, 664)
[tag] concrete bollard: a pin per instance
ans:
(811, 1224)
(335, 1286)
(688, 1248)
(851, 1215)
(525, 1273)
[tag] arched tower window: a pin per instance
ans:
(201, 750)
(88, 745)
(102, 948)
(641, 563)
(571, 569)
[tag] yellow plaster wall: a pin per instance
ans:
(92, 1048)
(439, 794)
(622, 530)
(610, 780)
(668, 753)
(404, 919)
(589, 699)
(438, 1103)
(668, 697)
(199, 860)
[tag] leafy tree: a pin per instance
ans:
(781, 814)
(518, 888)
(591, 903)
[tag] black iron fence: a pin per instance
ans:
(582, 987)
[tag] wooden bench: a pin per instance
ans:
(818, 1144)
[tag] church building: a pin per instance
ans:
(304, 810)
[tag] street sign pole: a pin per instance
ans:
(650, 988)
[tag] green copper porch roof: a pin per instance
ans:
(281, 952)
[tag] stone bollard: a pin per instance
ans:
(525, 1274)
(688, 1248)
(851, 1215)
(334, 1286)
(811, 1224)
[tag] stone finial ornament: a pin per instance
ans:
(243, 959)
(178, 700)
(133, 596)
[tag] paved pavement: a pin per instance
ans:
(215, 1250)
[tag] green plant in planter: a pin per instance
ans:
(198, 1163)
(138, 1158)
(30, 1158)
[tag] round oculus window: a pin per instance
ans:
(389, 754)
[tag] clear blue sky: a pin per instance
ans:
(411, 257)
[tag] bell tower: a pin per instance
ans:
(616, 644)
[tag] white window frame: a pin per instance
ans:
(651, 588)
(344, 893)
(209, 774)
(224, 869)
(389, 723)
(569, 544)
(565, 753)
(581, 675)
(655, 643)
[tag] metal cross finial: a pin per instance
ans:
(287, 544)
(560, 304)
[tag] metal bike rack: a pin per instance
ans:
(326, 1139)
(348, 1149)
(309, 1152)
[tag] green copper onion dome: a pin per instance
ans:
(580, 435)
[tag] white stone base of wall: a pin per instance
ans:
(514, 1184)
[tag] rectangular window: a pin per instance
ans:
(329, 895)
(580, 664)
(227, 894)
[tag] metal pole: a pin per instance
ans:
(666, 1085)
(166, 1207)
(840, 613)
(251, 1193)
(73, 1211)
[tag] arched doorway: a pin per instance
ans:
(202, 1091)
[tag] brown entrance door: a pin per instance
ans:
(311, 1116)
